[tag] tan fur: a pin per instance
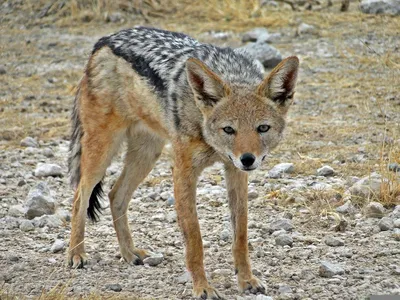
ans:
(115, 103)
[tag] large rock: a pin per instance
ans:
(39, 202)
(269, 56)
(390, 7)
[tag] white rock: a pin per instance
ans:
(39, 202)
(29, 142)
(154, 259)
(278, 170)
(374, 209)
(263, 297)
(44, 170)
(390, 7)
(16, 210)
(327, 269)
(26, 225)
(367, 187)
(306, 29)
(57, 246)
(325, 171)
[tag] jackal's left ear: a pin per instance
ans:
(279, 85)
(207, 86)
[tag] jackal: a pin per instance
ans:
(148, 86)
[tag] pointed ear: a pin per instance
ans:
(208, 87)
(280, 83)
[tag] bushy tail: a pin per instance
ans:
(74, 161)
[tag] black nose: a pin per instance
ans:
(247, 159)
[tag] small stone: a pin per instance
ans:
(29, 142)
(279, 224)
(26, 225)
(170, 201)
(184, 278)
(333, 241)
(116, 287)
(39, 202)
(21, 182)
(390, 7)
(48, 152)
(115, 17)
(328, 270)
(306, 29)
(367, 187)
(374, 210)
(44, 170)
(158, 217)
(258, 34)
(395, 214)
(269, 56)
(396, 223)
(252, 195)
(285, 289)
(16, 210)
(394, 167)
(325, 171)
(396, 234)
(278, 170)
(385, 224)
(154, 259)
(283, 240)
(2, 70)
(346, 209)
(225, 235)
(57, 246)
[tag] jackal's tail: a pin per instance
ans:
(74, 160)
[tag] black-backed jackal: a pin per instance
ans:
(147, 86)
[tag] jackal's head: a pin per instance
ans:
(243, 123)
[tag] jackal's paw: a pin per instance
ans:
(206, 292)
(77, 260)
(135, 256)
(254, 285)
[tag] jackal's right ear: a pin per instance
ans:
(208, 87)
(279, 85)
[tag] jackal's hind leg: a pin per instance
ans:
(144, 148)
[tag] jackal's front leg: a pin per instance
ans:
(236, 181)
(185, 179)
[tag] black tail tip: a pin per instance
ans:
(94, 209)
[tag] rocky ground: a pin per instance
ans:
(323, 220)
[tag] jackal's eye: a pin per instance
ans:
(228, 130)
(263, 128)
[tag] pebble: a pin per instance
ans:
(184, 278)
(278, 170)
(396, 223)
(394, 167)
(374, 210)
(252, 195)
(116, 287)
(283, 240)
(263, 297)
(225, 235)
(347, 208)
(39, 202)
(367, 186)
(258, 34)
(57, 246)
(279, 224)
(2, 70)
(170, 201)
(154, 259)
(29, 142)
(305, 28)
(48, 152)
(325, 171)
(385, 224)
(26, 225)
(328, 270)
(44, 170)
(268, 55)
(333, 241)
(51, 221)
